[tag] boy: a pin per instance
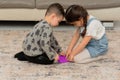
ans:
(40, 46)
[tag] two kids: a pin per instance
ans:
(40, 45)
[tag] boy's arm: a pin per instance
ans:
(45, 43)
(55, 45)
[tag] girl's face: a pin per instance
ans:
(78, 23)
(56, 20)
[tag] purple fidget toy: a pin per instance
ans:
(62, 59)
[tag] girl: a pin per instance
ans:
(94, 42)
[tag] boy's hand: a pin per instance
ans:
(62, 53)
(56, 57)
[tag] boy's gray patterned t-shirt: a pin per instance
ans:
(40, 40)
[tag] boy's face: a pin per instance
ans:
(56, 20)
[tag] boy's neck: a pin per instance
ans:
(47, 18)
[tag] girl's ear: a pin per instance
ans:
(80, 19)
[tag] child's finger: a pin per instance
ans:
(62, 53)
(56, 57)
(70, 58)
(67, 55)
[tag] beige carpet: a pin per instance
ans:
(108, 68)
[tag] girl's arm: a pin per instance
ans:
(73, 42)
(80, 47)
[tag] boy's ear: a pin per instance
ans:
(53, 15)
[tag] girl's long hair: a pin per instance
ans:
(75, 13)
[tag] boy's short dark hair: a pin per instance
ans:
(55, 8)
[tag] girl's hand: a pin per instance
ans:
(68, 53)
(71, 58)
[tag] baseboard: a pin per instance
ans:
(108, 24)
